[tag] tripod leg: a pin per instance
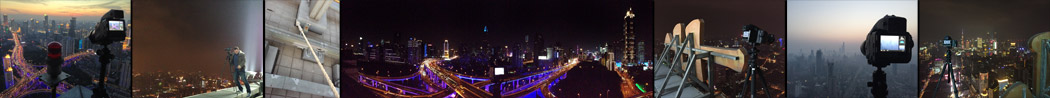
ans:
(765, 85)
(938, 87)
(747, 76)
(952, 76)
(751, 81)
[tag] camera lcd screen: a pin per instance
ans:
(116, 25)
(947, 42)
(498, 71)
(891, 43)
(747, 33)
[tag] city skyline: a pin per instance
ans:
(519, 49)
(586, 24)
(819, 24)
(994, 48)
(1018, 19)
(63, 9)
(524, 48)
(825, 40)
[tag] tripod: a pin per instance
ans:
(951, 77)
(754, 72)
(878, 83)
(104, 59)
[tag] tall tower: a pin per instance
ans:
(831, 79)
(640, 52)
(842, 50)
(72, 27)
(51, 27)
(538, 46)
(5, 19)
(628, 33)
(47, 27)
(446, 50)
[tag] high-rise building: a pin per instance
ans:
(51, 27)
(72, 27)
(46, 25)
(31, 23)
(831, 79)
(5, 74)
(842, 49)
(640, 52)
(413, 50)
(537, 48)
(628, 33)
(25, 26)
(5, 19)
(445, 50)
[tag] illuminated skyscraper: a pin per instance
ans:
(628, 33)
(641, 52)
(445, 50)
(538, 47)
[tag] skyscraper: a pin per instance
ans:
(72, 27)
(445, 50)
(51, 27)
(628, 33)
(537, 46)
(641, 52)
(5, 19)
(46, 25)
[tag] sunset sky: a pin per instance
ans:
(62, 8)
(816, 24)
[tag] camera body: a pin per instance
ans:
(948, 42)
(755, 35)
(111, 28)
(888, 42)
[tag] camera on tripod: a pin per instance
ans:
(754, 35)
(111, 28)
(888, 42)
(948, 42)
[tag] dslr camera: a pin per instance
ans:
(754, 35)
(888, 42)
(111, 28)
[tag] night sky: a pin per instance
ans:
(1012, 19)
(190, 35)
(587, 23)
(724, 18)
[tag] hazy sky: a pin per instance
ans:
(827, 24)
(62, 8)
